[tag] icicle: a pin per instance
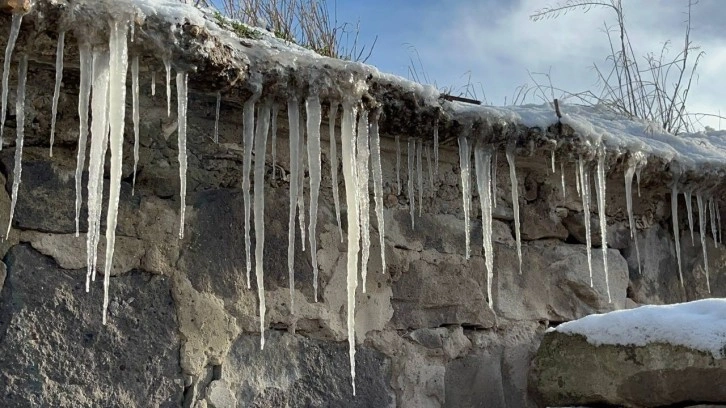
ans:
(216, 127)
(578, 179)
(629, 204)
(167, 67)
(118, 64)
(703, 228)
(585, 191)
(689, 210)
(20, 130)
(332, 116)
(436, 149)
(181, 91)
(465, 170)
(515, 203)
(313, 109)
(430, 169)
(553, 162)
(494, 180)
(248, 136)
(135, 106)
(411, 196)
(562, 176)
(293, 118)
(398, 165)
(301, 183)
(712, 209)
(362, 172)
(99, 144)
(637, 176)
(58, 81)
(273, 142)
(12, 38)
(676, 228)
(600, 192)
(483, 165)
(349, 174)
(153, 83)
(419, 175)
(263, 123)
(84, 96)
(718, 218)
(378, 185)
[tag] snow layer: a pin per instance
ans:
(700, 325)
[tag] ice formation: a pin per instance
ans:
(585, 192)
(248, 138)
(378, 185)
(600, 192)
(153, 83)
(56, 89)
(348, 141)
(293, 118)
(20, 130)
(314, 113)
(181, 90)
(632, 164)
(135, 115)
(411, 196)
(483, 166)
(398, 165)
(515, 203)
(362, 171)
(430, 170)
(84, 97)
(712, 210)
(553, 162)
(562, 177)
(332, 116)
(263, 123)
(167, 68)
(436, 149)
(118, 64)
(494, 180)
(9, 48)
(702, 230)
(465, 170)
(216, 126)
(419, 175)
(273, 132)
(676, 229)
(689, 210)
(301, 182)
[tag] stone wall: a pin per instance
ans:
(183, 327)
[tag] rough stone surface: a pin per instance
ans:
(55, 352)
(570, 371)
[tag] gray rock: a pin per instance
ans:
(293, 370)
(54, 351)
(570, 371)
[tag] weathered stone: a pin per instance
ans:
(449, 339)
(568, 370)
(293, 370)
(219, 395)
(538, 221)
(54, 351)
(15, 5)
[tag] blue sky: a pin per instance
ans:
(498, 45)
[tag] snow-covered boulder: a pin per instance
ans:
(649, 356)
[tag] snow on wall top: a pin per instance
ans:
(700, 325)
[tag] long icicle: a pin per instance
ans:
(332, 116)
(99, 144)
(712, 210)
(483, 165)
(135, 115)
(718, 218)
(217, 108)
(419, 175)
(301, 183)
(494, 179)
(702, 227)
(181, 90)
(585, 192)
(273, 134)
(20, 130)
(465, 170)
(578, 178)
(411, 196)
(349, 174)
(676, 229)
(58, 80)
(515, 203)
(378, 185)
(562, 177)
(314, 113)
(603, 218)
(293, 118)
(12, 38)
(436, 149)
(153, 83)
(167, 67)
(629, 172)
(263, 123)
(84, 96)
(398, 165)
(248, 138)
(689, 211)
(362, 171)
(430, 170)
(118, 65)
